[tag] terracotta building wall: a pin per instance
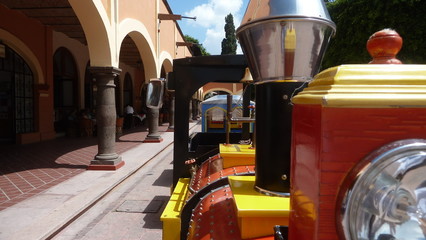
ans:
(38, 38)
(144, 11)
(167, 31)
(33, 34)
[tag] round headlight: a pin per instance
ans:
(384, 196)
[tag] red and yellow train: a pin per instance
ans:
(338, 155)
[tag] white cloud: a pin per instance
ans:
(213, 41)
(204, 13)
(211, 17)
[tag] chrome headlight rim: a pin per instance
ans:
(375, 162)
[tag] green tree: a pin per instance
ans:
(197, 48)
(357, 20)
(229, 43)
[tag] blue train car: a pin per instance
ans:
(214, 114)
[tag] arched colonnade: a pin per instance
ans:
(123, 47)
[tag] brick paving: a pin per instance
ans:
(27, 170)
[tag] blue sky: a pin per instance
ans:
(209, 26)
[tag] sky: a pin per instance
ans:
(208, 28)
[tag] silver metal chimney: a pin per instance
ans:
(284, 42)
(285, 39)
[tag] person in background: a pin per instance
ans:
(87, 123)
(128, 119)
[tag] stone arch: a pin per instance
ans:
(167, 61)
(25, 52)
(98, 31)
(215, 90)
(166, 67)
(139, 34)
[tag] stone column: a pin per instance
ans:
(106, 118)
(172, 113)
(153, 134)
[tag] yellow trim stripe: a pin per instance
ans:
(381, 86)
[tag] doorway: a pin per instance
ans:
(65, 88)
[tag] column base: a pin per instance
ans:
(149, 139)
(106, 163)
(170, 129)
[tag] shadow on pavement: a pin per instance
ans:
(165, 179)
(152, 220)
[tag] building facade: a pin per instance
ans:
(60, 57)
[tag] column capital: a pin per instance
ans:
(105, 70)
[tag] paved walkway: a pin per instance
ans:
(46, 186)
(130, 211)
(26, 170)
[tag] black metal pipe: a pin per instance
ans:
(273, 136)
(228, 117)
(246, 110)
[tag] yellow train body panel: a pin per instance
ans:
(171, 214)
(237, 155)
(257, 213)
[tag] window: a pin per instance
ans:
(16, 95)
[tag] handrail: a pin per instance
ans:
(230, 119)
(242, 119)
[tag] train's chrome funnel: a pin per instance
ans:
(285, 39)
(284, 42)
